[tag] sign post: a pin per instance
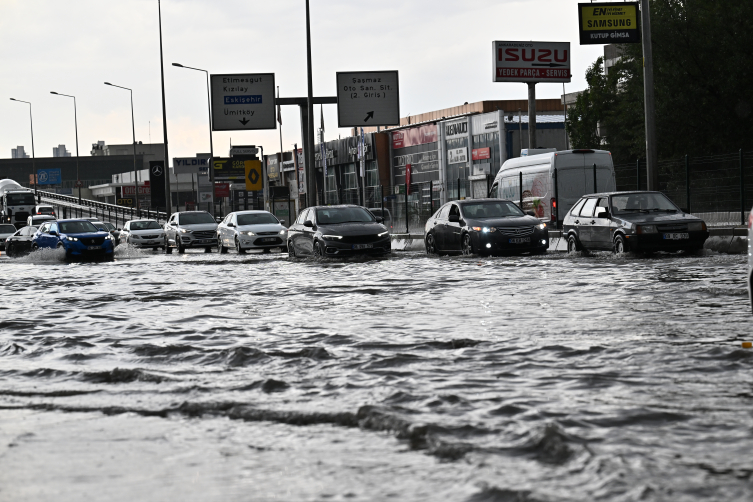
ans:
(368, 98)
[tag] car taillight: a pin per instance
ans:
(554, 209)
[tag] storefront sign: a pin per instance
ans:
(129, 190)
(609, 23)
(243, 150)
(353, 150)
(273, 168)
(368, 99)
(414, 136)
(231, 169)
(288, 165)
(531, 61)
(457, 155)
(486, 123)
(456, 129)
(243, 102)
(415, 158)
(222, 189)
(252, 175)
(330, 155)
(481, 153)
(189, 165)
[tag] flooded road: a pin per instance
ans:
(214, 377)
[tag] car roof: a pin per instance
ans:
(606, 194)
(336, 206)
(74, 219)
(184, 212)
(252, 211)
(142, 219)
(476, 201)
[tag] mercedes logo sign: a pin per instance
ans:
(157, 170)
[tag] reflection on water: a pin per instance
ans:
(224, 377)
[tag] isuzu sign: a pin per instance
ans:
(609, 23)
(531, 61)
(243, 102)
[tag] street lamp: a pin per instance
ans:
(133, 125)
(75, 121)
(33, 158)
(211, 143)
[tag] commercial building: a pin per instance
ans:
(18, 153)
(60, 151)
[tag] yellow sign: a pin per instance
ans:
(608, 23)
(253, 175)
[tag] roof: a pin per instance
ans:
(605, 194)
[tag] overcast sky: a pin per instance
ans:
(441, 48)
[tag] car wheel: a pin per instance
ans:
(619, 246)
(207, 250)
(167, 248)
(291, 250)
(238, 247)
(9, 250)
(572, 244)
(431, 245)
(34, 247)
(466, 245)
(318, 249)
(179, 245)
(222, 248)
(266, 251)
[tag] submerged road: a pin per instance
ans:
(208, 377)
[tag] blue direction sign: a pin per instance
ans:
(49, 176)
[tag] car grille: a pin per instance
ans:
(675, 227)
(515, 231)
(205, 234)
(359, 239)
(267, 233)
(93, 241)
(149, 236)
(264, 242)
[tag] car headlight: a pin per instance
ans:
(541, 226)
(697, 226)
(184, 231)
(108, 237)
(647, 229)
(383, 234)
(282, 231)
(332, 237)
(73, 239)
(248, 233)
(485, 230)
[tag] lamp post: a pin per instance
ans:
(75, 121)
(211, 142)
(33, 158)
(133, 126)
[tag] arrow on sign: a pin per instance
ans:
(550, 65)
(244, 121)
(369, 115)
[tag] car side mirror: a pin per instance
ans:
(282, 222)
(531, 213)
(684, 210)
(308, 223)
(454, 218)
(379, 219)
(231, 225)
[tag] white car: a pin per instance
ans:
(143, 234)
(245, 230)
(6, 230)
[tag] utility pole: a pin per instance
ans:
(309, 139)
(648, 97)
(166, 170)
(531, 115)
(520, 133)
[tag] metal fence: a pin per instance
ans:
(69, 207)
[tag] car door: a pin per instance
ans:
(307, 236)
(601, 236)
(585, 222)
(45, 240)
(435, 223)
(451, 230)
(297, 232)
(171, 230)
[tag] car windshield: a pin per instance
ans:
(109, 226)
(484, 210)
(642, 203)
(196, 218)
(21, 199)
(145, 225)
(77, 227)
(7, 229)
(333, 215)
(256, 219)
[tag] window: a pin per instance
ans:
(196, 218)
(454, 209)
(588, 207)
(6, 229)
(331, 216)
(642, 202)
(144, 225)
(444, 212)
(45, 228)
(21, 199)
(76, 227)
(53, 227)
(302, 217)
(576, 208)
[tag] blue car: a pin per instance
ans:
(79, 238)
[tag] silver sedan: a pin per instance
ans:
(244, 230)
(143, 234)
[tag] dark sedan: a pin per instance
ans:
(484, 226)
(337, 231)
(20, 242)
(632, 221)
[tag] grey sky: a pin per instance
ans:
(442, 49)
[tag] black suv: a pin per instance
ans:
(632, 221)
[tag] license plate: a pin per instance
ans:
(92, 248)
(520, 240)
(269, 239)
(676, 237)
(151, 242)
(363, 246)
(205, 241)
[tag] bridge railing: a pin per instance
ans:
(70, 207)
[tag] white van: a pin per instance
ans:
(575, 178)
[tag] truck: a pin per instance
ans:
(17, 203)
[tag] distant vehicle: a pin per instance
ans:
(244, 230)
(20, 242)
(78, 237)
(384, 214)
(143, 234)
(632, 221)
(44, 209)
(484, 226)
(115, 232)
(17, 203)
(337, 231)
(575, 178)
(190, 229)
(36, 220)
(6, 230)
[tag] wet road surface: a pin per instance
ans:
(214, 377)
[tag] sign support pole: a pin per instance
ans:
(166, 173)
(531, 115)
(648, 96)
(309, 139)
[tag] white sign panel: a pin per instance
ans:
(243, 102)
(243, 151)
(368, 98)
(457, 155)
(531, 61)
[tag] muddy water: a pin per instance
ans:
(225, 377)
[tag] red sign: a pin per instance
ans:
(222, 190)
(129, 190)
(79, 183)
(531, 61)
(481, 153)
(414, 136)
(407, 178)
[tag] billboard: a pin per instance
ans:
(414, 136)
(189, 165)
(243, 102)
(368, 98)
(531, 61)
(609, 23)
(157, 182)
(230, 169)
(49, 176)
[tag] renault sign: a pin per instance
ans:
(609, 23)
(531, 61)
(243, 102)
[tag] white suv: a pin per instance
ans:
(190, 229)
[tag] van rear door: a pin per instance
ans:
(575, 176)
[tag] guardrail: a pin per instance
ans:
(70, 207)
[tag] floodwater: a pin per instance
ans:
(207, 377)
